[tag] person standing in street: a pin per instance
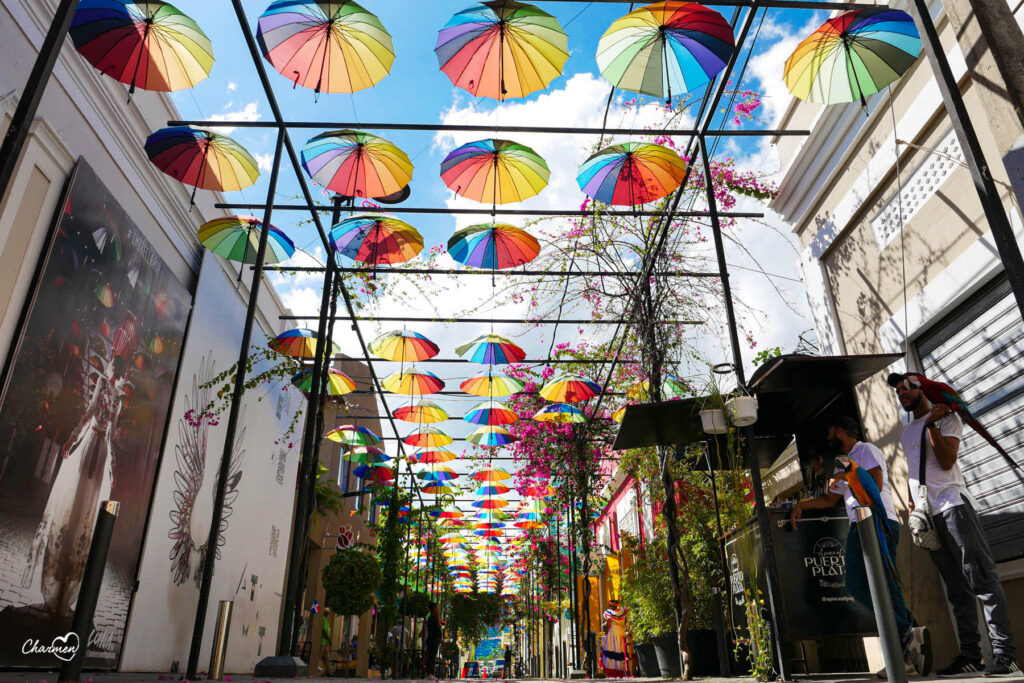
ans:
(507, 673)
(963, 558)
(325, 643)
(433, 638)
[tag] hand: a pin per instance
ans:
(911, 504)
(795, 515)
(938, 412)
(836, 479)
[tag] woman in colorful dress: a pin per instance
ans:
(613, 647)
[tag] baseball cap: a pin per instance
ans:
(895, 378)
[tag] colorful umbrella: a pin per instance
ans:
(151, 45)
(491, 474)
(488, 385)
(237, 238)
(202, 158)
(353, 435)
(356, 164)
(569, 389)
(438, 473)
(404, 345)
(427, 437)
(367, 455)
(421, 412)
(439, 489)
(529, 524)
(665, 47)
(492, 489)
(338, 383)
(490, 504)
(495, 246)
(376, 239)
(431, 456)
(631, 173)
(671, 387)
(491, 349)
(298, 343)
(619, 415)
(413, 382)
(326, 46)
(502, 49)
(491, 436)
(452, 513)
(494, 171)
(539, 490)
(375, 473)
(560, 413)
(491, 412)
(853, 55)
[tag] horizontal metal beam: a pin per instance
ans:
(437, 393)
(484, 210)
(477, 271)
(772, 4)
(526, 361)
(482, 321)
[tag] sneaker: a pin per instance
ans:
(911, 671)
(960, 666)
(918, 649)
(1002, 665)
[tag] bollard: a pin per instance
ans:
(89, 592)
(220, 640)
(878, 582)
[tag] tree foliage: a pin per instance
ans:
(350, 579)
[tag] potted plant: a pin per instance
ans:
(349, 580)
(647, 597)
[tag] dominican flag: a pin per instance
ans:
(315, 609)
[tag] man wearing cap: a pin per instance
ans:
(964, 560)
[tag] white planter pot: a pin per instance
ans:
(743, 410)
(713, 421)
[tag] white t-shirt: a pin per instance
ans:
(944, 486)
(868, 456)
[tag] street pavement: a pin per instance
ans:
(42, 677)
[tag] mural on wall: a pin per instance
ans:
(82, 417)
(249, 568)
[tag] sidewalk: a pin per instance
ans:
(45, 677)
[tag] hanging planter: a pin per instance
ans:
(742, 410)
(712, 420)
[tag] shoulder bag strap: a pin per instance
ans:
(924, 453)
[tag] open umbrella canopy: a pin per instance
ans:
(374, 473)
(432, 455)
(202, 158)
(560, 413)
(338, 383)
(491, 412)
(495, 171)
(490, 503)
(853, 55)
(298, 343)
(438, 473)
(569, 389)
(421, 412)
(367, 455)
(488, 384)
(502, 49)
(492, 489)
(413, 382)
(491, 436)
(491, 349)
(491, 474)
(376, 239)
(438, 489)
(539, 490)
(150, 45)
(353, 435)
(427, 437)
(495, 246)
(671, 387)
(619, 414)
(356, 164)
(326, 46)
(237, 238)
(631, 173)
(405, 346)
(665, 47)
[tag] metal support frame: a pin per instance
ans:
(483, 211)
(481, 321)
(518, 273)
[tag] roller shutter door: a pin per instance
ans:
(979, 351)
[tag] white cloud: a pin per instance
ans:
(232, 86)
(264, 161)
(250, 112)
(766, 67)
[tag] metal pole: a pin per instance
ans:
(28, 103)
(89, 591)
(232, 426)
(219, 650)
(878, 582)
(988, 195)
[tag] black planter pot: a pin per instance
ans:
(647, 660)
(666, 647)
(703, 645)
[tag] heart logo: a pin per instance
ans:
(66, 646)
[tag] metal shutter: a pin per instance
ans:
(979, 351)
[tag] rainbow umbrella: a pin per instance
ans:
(404, 345)
(298, 343)
(539, 490)
(560, 413)
(438, 473)
(493, 245)
(631, 173)
(376, 239)
(492, 489)
(326, 46)
(529, 524)
(439, 489)
(338, 383)
(491, 349)
(413, 382)
(489, 525)
(151, 45)
(422, 412)
(569, 389)
(619, 415)
(490, 503)
(375, 473)
(491, 436)
(432, 456)
(237, 238)
(488, 384)
(853, 55)
(491, 412)
(494, 171)
(427, 437)
(452, 513)
(671, 387)
(665, 46)
(352, 435)
(202, 158)
(356, 164)
(491, 474)
(367, 455)
(502, 49)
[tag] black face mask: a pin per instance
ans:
(835, 444)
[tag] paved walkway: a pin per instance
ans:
(39, 677)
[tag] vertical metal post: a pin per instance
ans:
(988, 195)
(232, 426)
(878, 582)
(219, 649)
(89, 592)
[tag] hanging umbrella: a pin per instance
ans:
(422, 412)
(427, 437)
(338, 383)
(376, 239)
(298, 343)
(326, 46)
(150, 45)
(367, 455)
(665, 47)
(491, 436)
(237, 238)
(431, 456)
(353, 435)
(491, 413)
(490, 503)
(502, 49)
(631, 173)
(560, 413)
(495, 246)
(488, 385)
(413, 382)
(671, 387)
(569, 389)
(356, 164)
(404, 345)
(492, 489)
(539, 490)
(491, 349)
(491, 474)
(438, 473)
(494, 171)
(452, 513)
(202, 158)
(853, 55)
(529, 524)
(439, 489)
(619, 414)
(375, 473)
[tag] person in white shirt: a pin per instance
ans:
(964, 559)
(843, 437)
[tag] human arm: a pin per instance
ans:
(820, 503)
(946, 447)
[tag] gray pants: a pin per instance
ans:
(966, 565)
